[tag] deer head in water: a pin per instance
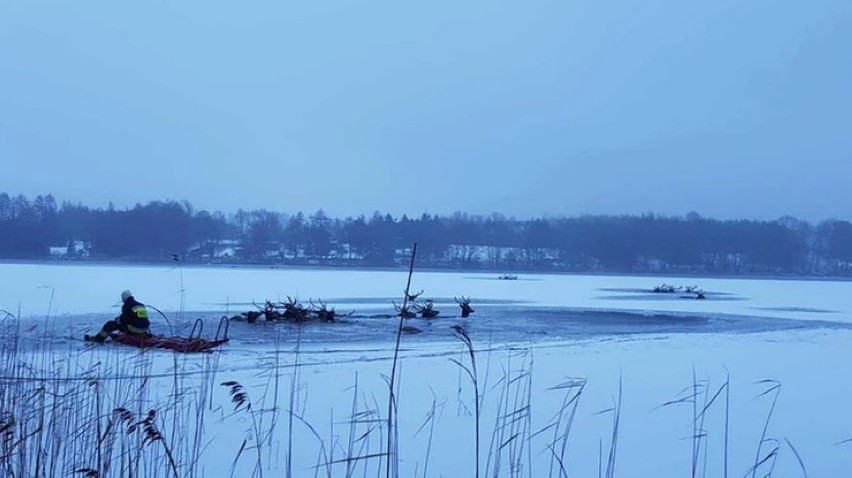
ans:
(464, 303)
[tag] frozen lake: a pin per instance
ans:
(532, 308)
(599, 328)
(79, 289)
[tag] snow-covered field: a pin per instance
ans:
(539, 331)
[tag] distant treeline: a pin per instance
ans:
(40, 228)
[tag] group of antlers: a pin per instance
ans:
(293, 311)
(426, 309)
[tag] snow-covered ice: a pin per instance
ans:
(604, 329)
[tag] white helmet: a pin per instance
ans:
(126, 295)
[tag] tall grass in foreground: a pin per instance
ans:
(392, 449)
(93, 412)
(106, 411)
(473, 374)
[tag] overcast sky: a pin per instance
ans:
(731, 108)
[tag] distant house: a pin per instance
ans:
(58, 252)
(227, 249)
(273, 253)
(72, 250)
(224, 249)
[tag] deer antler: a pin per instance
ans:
(320, 308)
(399, 307)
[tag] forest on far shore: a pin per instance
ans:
(41, 228)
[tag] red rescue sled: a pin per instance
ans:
(191, 344)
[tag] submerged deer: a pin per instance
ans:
(466, 309)
(250, 316)
(403, 311)
(322, 312)
(426, 311)
(269, 311)
(295, 312)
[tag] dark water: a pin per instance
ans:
(494, 321)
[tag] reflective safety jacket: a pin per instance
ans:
(134, 316)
